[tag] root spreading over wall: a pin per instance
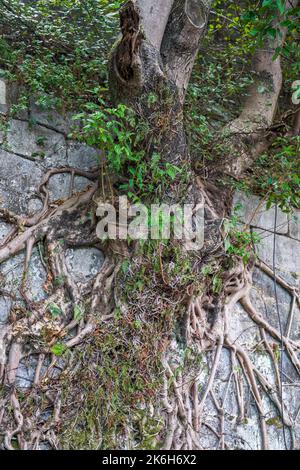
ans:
(152, 348)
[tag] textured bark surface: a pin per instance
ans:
(261, 105)
(220, 341)
(186, 26)
(154, 16)
(142, 65)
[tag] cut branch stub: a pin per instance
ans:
(130, 42)
(196, 12)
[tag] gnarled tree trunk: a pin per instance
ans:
(155, 57)
(160, 61)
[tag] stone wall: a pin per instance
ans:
(37, 141)
(245, 434)
(32, 144)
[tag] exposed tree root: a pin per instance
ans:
(258, 384)
(190, 395)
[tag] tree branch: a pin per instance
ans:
(260, 106)
(154, 16)
(186, 26)
(160, 40)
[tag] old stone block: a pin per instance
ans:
(258, 216)
(59, 186)
(19, 179)
(4, 230)
(84, 263)
(294, 225)
(287, 254)
(82, 156)
(5, 305)
(12, 270)
(51, 118)
(8, 94)
(38, 142)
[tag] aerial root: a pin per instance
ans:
(184, 404)
(183, 401)
(47, 227)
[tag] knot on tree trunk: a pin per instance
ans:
(135, 66)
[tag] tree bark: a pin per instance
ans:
(247, 132)
(154, 17)
(140, 65)
(153, 59)
(157, 61)
(185, 28)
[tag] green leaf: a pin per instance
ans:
(261, 89)
(172, 170)
(55, 310)
(217, 284)
(227, 244)
(77, 313)
(267, 3)
(58, 349)
(249, 16)
(272, 32)
(125, 265)
(280, 6)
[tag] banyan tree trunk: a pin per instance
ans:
(130, 358)
(155, 57)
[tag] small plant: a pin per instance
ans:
(120, 135)
(57, 49)
(41, 140)
(217, 284)
(20, 106)
(58, 349)
(239, 241)
(59, 281)
(78, 312)
(55, 310)
(277, 174)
